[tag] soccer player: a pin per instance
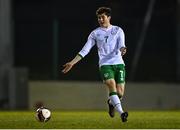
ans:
(110, 41)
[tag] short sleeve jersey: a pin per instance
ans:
(108, 41)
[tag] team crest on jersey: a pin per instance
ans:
(98, 35)
(114, 31)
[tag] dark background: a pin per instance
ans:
(49, 33)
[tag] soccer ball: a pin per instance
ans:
(43, 114)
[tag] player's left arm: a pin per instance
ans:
(123, 50)
(122, 46)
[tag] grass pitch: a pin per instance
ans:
(91, 120)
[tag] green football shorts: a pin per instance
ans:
(116, 72)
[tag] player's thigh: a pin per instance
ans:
(106, 72)
(120, 74)
(111, 84)
(107, 75)
(120, 79)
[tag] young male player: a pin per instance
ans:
(110, 42)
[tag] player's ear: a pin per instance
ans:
(109, 17)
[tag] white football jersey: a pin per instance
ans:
(108, 41)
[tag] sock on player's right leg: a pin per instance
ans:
(117, 105)
(116, 102)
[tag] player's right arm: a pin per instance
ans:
(68, 66)
(85, 50)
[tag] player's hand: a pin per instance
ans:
(123, 50)
(67, 67)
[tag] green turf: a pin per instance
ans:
(91, 119)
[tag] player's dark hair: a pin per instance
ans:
(105, 10)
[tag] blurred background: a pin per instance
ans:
(38, 37)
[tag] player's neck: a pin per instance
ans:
(106, 27)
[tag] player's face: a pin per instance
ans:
(104, 20)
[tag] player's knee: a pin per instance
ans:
(111, 85)
(120, 93)
(110, 82)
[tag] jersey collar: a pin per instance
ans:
(106, 29)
